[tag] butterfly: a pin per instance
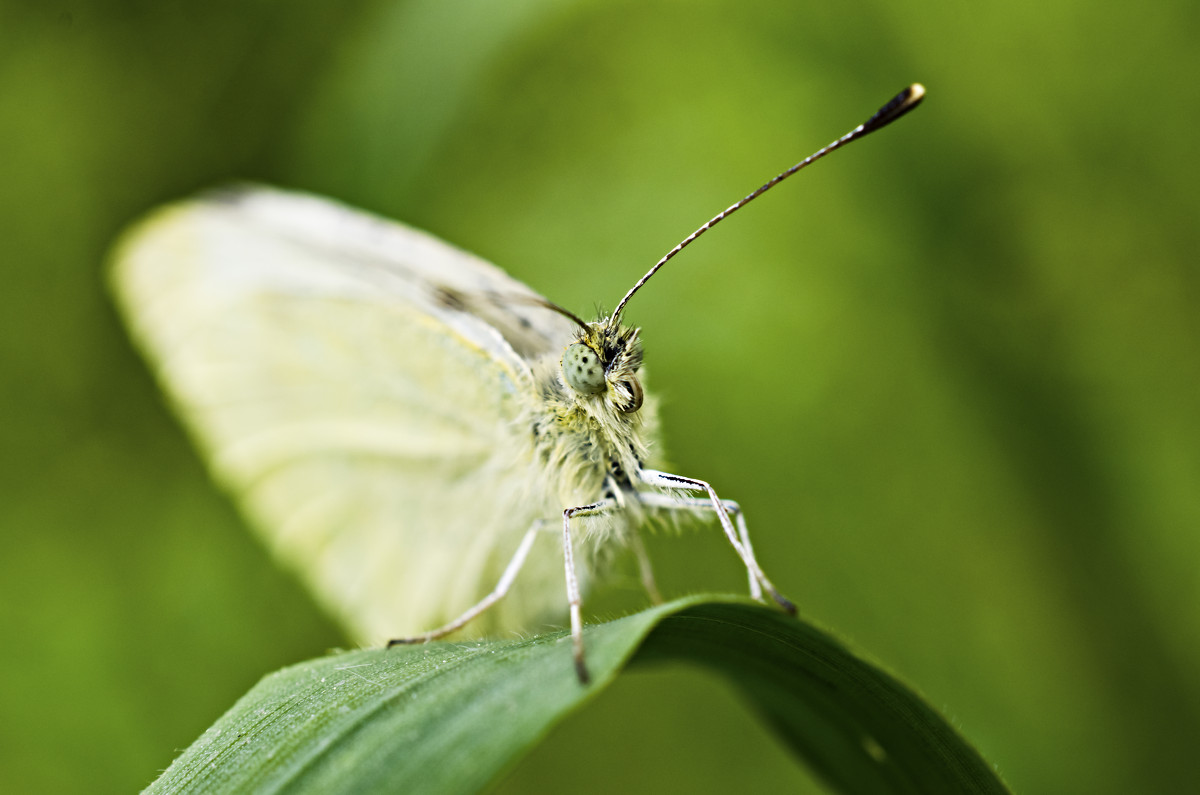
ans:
(402, 421)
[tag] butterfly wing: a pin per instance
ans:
(358, 386)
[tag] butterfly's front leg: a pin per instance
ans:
(573, 598)
(722, 508)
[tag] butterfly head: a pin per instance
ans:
(603, 361)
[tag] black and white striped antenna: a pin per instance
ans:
(902, 103)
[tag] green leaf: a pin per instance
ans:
(450, 717)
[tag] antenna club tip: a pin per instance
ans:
(916, 91)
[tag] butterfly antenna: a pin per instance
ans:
(537, 300)
(567, 313)
(902, 103)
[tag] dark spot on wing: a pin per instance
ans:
(449, 298)
(503, 312)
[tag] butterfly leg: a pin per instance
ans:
(664, 480)
(506, 581)
(644, 568)
(573, 598)
(617, 494)
(668, 503)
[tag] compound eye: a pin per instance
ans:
(582, 369)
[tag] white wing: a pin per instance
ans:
(357, 385)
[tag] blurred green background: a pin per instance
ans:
(953, 373)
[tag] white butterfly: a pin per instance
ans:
(400, 419)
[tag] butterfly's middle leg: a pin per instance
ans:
(498, 593)
(664, 502)
(665, 480)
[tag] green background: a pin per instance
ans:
(953, 373)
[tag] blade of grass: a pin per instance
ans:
(452, 717)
